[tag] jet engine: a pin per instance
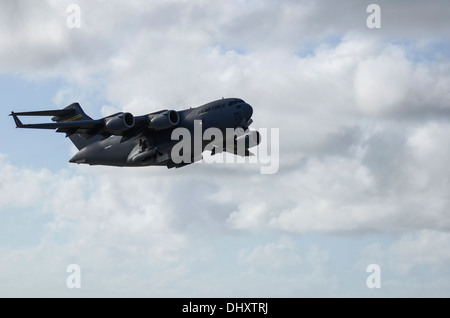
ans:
(120, 123)
(164, 120)
(250, 139)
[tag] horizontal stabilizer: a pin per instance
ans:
(82, 124)
(56, 112)
(71, 120)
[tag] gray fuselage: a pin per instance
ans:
(153, 147)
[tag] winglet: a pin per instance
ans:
(16, 120)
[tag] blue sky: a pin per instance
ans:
(39, 93)
(363, 177)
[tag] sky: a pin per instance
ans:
(363, 116)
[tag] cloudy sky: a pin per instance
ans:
(364, 126)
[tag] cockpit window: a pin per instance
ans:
(204, 110)
(236, 101)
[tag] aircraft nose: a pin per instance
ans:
(247, 111)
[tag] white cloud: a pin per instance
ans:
(381, 83)
(88, 212)
(363, 128)
(284, 268)
(415, 264)
(426, 247)
(281, 257)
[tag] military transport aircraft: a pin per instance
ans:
(122, 139)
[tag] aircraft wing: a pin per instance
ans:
(241, 144)
(245, 153)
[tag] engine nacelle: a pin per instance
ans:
(250, 139)
(120, 123)
(165, 120)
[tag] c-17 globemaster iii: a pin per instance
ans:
(122, 139)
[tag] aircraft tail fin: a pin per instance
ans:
(16, 120)
(74, 112)
(69, 113)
